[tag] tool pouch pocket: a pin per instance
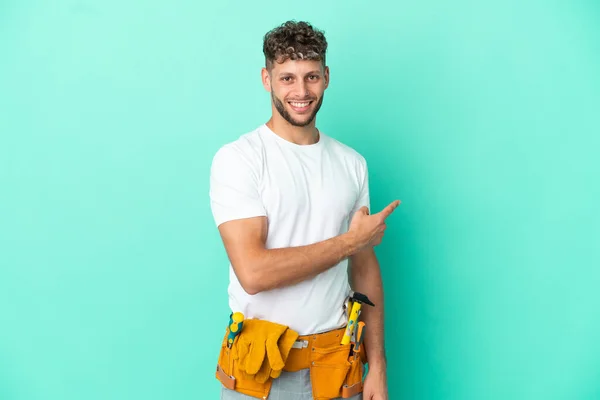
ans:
(328, 371)
(235, 379)
(353, 383)
(225, 366)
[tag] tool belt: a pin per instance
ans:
(334, 371)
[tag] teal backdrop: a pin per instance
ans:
(482, 117)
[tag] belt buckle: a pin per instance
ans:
(300, 344)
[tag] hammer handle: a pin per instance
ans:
(351, 322)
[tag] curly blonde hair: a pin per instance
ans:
(296, 41)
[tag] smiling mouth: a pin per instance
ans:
(300, 106)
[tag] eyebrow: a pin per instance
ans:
(315, 72)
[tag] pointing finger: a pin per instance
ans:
(387, 211)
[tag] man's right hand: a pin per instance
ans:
(367, 230)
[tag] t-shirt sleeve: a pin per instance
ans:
(234, 183)
(363, 196)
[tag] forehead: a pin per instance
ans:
(297, 67)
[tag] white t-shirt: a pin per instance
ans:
(308, 194)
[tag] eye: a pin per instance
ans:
(286, 78)
(313, 77)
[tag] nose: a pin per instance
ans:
(302, 89)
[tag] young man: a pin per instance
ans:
(292, 208)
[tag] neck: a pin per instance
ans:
(301, 135)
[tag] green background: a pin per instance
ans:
(482, 117)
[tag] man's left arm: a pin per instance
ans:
(365, 277)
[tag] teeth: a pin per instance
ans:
(299, 105)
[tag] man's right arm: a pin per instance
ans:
(259, 269)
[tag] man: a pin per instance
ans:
(292, 207)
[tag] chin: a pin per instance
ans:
(302, 123)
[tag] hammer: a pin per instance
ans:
(357, 299)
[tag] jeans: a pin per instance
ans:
(289, 386)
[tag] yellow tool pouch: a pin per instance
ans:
(258, 354)
(234, 378)
(353, 384)
(333, 372)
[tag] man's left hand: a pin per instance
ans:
(375, 387)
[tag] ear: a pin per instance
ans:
(266, 79)
(326, 77)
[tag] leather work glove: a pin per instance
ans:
(275, 361)
(258, 339)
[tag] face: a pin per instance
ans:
(297, 88)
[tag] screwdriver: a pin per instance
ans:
(236, 321)
(360, 333)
